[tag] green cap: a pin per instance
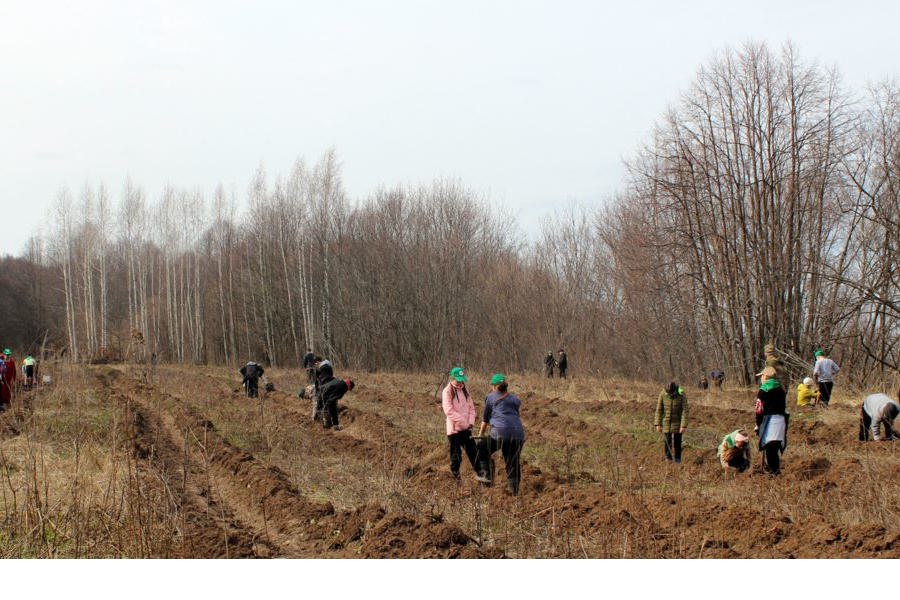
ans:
(7, 351)
(819, 352)
(498, 378)
(458, 374)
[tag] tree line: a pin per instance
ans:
(764, 207)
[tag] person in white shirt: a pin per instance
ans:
(877, 413)
(824, 371)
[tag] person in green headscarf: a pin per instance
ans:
(771, 419)
(824, 371)
(507, 434)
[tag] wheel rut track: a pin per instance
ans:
(286, 523)
(207, 527)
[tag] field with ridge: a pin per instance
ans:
(171, 461)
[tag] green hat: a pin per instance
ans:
(498, 378)
(819, 352)
(7, 351)
(458, 374)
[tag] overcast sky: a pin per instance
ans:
(533, 104)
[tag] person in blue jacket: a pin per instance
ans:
(501, 414)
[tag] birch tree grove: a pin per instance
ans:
(763, 208)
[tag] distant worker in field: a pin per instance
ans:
(549, 363)
(877, 413)
(28, 366)
(773, 360)
(671, 419)
(807, 393)
(11, 373)
(324, 370)
(717, 376)
(460, 411)
(824, 371)
(734, 451)
(324, 374)
(5, 390)
(771, 420)
(331, 392)
(309, 363)
(251, 372)
(501, 414)
(703, 384)
(562, 363)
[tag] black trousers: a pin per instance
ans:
(773, 457)
(673, 446)
(865, 423)
(331, 413)
(511, 451)
(865, 427)
(251, 384)
(825, 388)
(562, 373)
(459, 442)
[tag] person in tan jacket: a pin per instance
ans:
(671, 419)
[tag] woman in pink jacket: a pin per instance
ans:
(460, 411)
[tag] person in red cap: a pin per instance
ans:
(330, 393)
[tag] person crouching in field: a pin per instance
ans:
(734, 451)
(877, 413)
(330, 392)
(671, 419)
(771, 420)
(251, 373)
(460, 412)
(501, 414)
(807, 393)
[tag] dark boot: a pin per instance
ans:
(486, 474)
(512, 487)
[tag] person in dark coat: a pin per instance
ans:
(562, 363)
(324, 374)
(309, 363)
(771, 420)
(251, 373)
(549, 363)
(331, 392)
(5, 384)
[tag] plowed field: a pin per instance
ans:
(128, 461)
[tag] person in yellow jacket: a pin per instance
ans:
(807, 393)
(28, 371)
